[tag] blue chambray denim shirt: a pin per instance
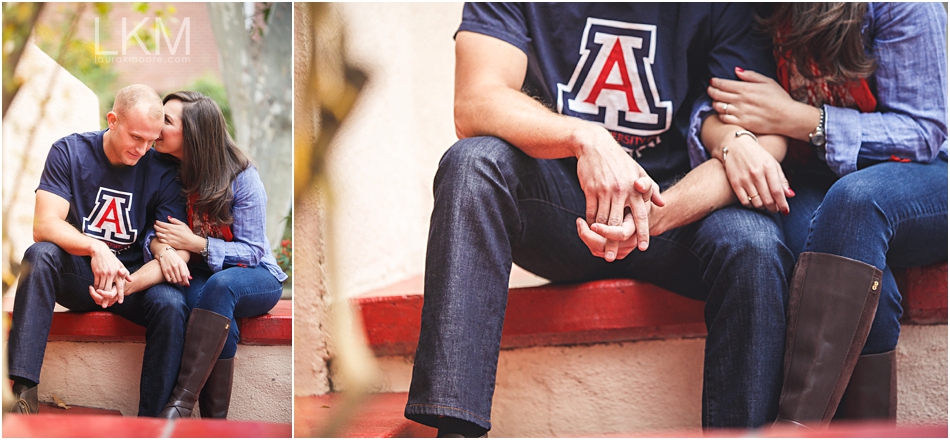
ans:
(249, 246)
(908, 42)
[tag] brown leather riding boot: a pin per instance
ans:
(204, 339)
(831, 304)
(27, 402)
(872, 392)
(215, 397)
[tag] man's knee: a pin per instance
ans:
(166, 302)
(43, 254)
(750, 236)
(473, 157)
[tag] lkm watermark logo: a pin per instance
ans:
(160, 33)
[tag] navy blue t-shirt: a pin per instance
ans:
(634, 68)
(116, 205)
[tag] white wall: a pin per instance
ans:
(29, 131)
(385, 157)
(381, 164)
(635, 388)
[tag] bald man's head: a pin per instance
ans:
(139, 97)
(135, 121)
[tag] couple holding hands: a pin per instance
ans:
(159, 219)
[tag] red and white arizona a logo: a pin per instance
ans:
(613, 82)
(109, 219)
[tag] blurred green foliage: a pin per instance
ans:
(211, 86)
(79, 57)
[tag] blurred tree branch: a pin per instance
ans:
(331, 91)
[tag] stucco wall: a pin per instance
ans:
(381, 164)
(650, 386)
(385, 157)
(29, 130)
(106, 375)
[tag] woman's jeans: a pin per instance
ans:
(58, 277)
(888, 215)
(235, 292)
(495, 205)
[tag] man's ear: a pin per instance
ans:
(111, 119)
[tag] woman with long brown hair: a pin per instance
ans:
(231, 272)
(861, 96)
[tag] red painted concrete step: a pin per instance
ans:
(379, 416)
(869, 429)
(273, 328)
(75, 426)
(599, 311)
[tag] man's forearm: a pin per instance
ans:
(525, 123)
(702, 191)
(66, 236)
(149, 275)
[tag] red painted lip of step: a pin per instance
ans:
(600, 311)
(71, 426)
(274, 328)
(379, 416)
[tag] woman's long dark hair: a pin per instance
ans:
(210, 159)
(827, 33)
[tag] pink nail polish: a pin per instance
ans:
(740, 69)
(710, 81)
(791, 193)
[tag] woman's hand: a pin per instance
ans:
(174, 268)
(178, 235)
(758, 104)
(755, 176)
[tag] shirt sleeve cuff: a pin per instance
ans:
(147, 251)
(842, 139)
(215, 254)
(697, 152)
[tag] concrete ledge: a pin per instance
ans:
(67, 426)
(273, 328)
(835, 430)
(925, 294)
(380, 416)
(599, 311)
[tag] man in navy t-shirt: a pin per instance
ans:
(99, 195)
(572, 117)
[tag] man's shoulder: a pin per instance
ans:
(81, 140)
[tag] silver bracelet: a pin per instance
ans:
(747, 133)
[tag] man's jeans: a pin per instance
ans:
(495, 205)
(887, 215)
(236, 292)
(58, 277)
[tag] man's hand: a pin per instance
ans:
(109, 273)
(612, 181)
(178, 235)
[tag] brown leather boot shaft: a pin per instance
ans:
(205, 336)
(831, 305)
(215, 397)
(872, 391)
